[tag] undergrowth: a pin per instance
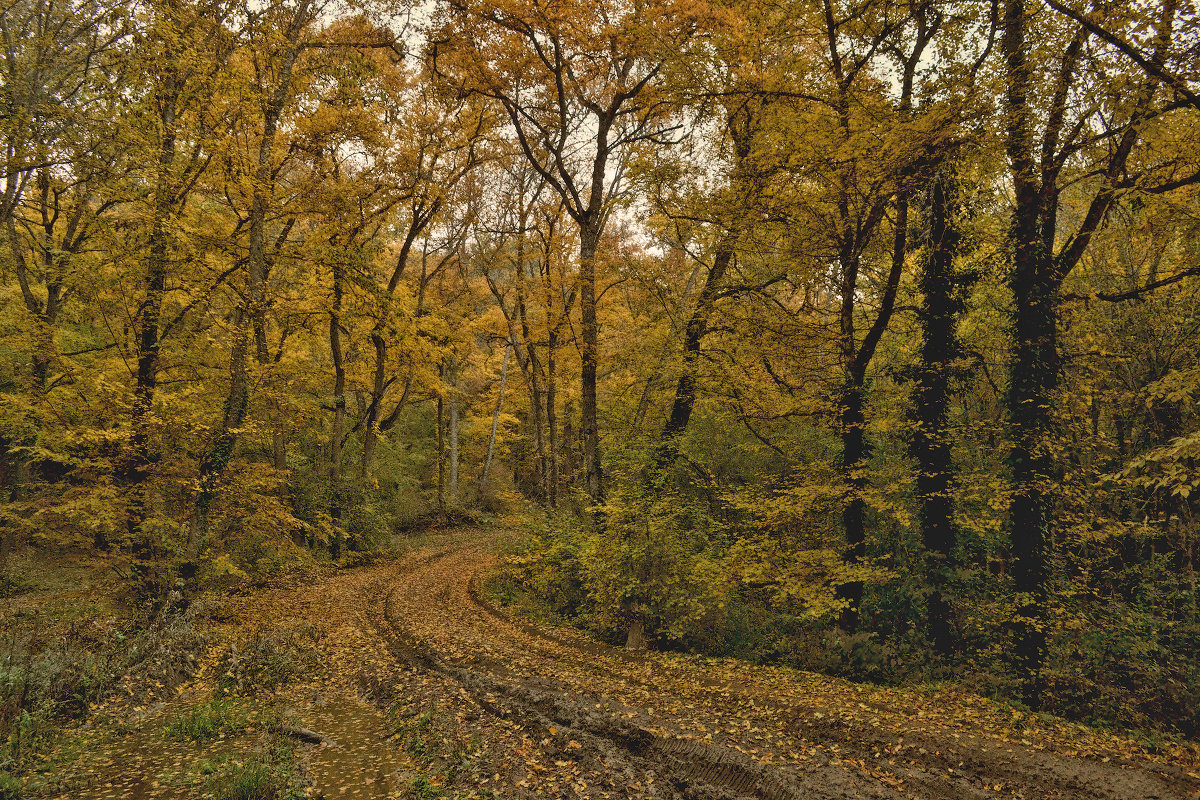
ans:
(270, 658)
(267, 774)
(211, 720)
(48, 678)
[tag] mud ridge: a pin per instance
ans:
(659, 727)
(693, 769)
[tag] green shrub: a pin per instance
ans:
(10, 787)
(660, 559)
(421, 789)
(12, 586)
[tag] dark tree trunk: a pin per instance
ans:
(1036, 276)
(855, 451)
(452, 487)
(534, 373)
(941, 307)
(373, 424)
(441, 451)
(136, 472)
(852, 423)
(589, 419)
(339, 413)
(491, 447)
(1034, 370)
(693, 336)
(552, 419)
(218, 456)
(10, 486)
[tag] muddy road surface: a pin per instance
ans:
(552, 713)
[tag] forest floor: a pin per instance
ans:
(423, 689)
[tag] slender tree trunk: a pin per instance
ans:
(218, 456)
(264, 185)
(378, 389)
(854, 455)
(930, 442)
(215, 461)
(552, 418)
(693, 336)
(855, 448)
(531, 366)
(6, 545)
(491, 447)
(372, 425)
(339, 412)
(10, 485)
(535, 391)
(589, 419)
(453, 487)
(441, 451)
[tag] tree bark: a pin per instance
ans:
(149, 319)
(218, 456)
(373, 424)
(441, 449)
(693, 336)
(339, 412)
(452, 489)
(589, 420)
(552, 419)
(252, 315)
(491, 447)
(258, 262)
(940, 310)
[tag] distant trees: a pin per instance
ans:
(578, 86)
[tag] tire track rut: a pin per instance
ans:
(673, 728)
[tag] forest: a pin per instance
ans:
(857, 336)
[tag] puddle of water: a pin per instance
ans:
(362, 763)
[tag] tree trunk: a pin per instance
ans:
(452, 489)
(491, 447)
(534, 371)
(552, 419)
(930, 442)
(339, 413)
(693, 335)
(136, 472)
(854, 453)
(589, 421)
(441, 451)
(10, 485)
(1034, 370)
(373, 425)
(259, 263)
(217, 458)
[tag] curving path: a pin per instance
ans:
(564, 716)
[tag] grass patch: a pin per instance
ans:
(203, 723)
(267, 775)
(420, 788)
(12, 586)
(10, 787)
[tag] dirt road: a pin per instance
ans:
(554, 714)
